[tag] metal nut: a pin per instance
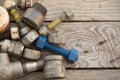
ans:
(5, 45)
(30, 37)
(56, 38)
(24, 30)
(18, 49)
(43, 30)
(14, 33)
(31, 54)
(11, 47)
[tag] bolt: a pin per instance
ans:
(71, 55)
(17, 48)
(34, 16)
(56, 38)
(68, 14)
(54, 67)
(10, 6)
(30, 38)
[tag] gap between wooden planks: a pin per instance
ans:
(99, 74)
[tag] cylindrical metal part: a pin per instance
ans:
(4, 19)
(31, 54)
(30, 37)
(54, 67)
(33, 66)
(11, 47)
(24, 30)
(14, 33)
(5, 45)
(34, 16)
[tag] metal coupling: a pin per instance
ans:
(14, 33)
(30, 37)
(56, 38)
(54, 67)
(4, 19)
(32, 54)
(34, 16)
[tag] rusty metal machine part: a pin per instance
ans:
(31, 54)
(34, 16)
(54, 67)
(14, 33)
(4, 19)
(56, 38)
(30, 37)
(10, 71)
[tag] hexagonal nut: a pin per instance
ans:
(73, 55)
(18, 49)
(24, 30)
(30, 37)
(5, 45)
(11, 47)
(14, 33)
(41, 42)
(56, 38)
(69, 13)
(8, 4)
(43, 30)
(31, 54)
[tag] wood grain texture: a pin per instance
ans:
(98, 74)
(84, 10)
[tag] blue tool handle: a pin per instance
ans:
(56, 49)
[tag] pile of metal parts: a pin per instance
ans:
(31, 30)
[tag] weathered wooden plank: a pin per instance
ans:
(97, 43)
(94, 74)
(84, 10)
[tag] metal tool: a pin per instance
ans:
(34, 16)
(17, 48)
(71, 55)
(9, 71)
(68, 14)
(54, 67)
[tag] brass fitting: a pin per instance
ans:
(17, 48)
(68, 14)
(9, 71)
(54, 67)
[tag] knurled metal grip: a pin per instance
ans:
(34, 16)
(71, 55)
(4, 19)
(54, 67)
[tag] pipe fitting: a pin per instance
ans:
(71, 55)
(34, 16)
(54, 67)
(15, 70)
(17, 48)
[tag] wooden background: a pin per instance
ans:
(94, 32)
